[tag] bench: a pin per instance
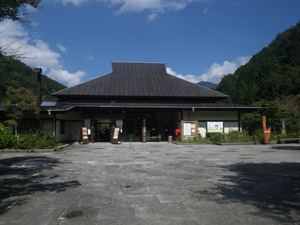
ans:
(154, 137)
(288, 140)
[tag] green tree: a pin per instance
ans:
(10, 9)
(20, 101)
(272, 73)
(17, 74)
(274, 115)
(292, 118)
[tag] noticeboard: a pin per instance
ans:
(189, 129)
(84, 135)
(115, 136)
(215, 127)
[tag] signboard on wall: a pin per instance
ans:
(189, 129)
(215, 126)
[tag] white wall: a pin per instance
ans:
(231, 126)
(72, 129)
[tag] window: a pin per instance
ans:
(62, 127)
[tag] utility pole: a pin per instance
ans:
(38, 114)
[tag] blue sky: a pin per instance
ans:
(198, 40)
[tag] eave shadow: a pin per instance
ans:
(23, 177)
(273, 188)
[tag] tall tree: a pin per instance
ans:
(292, 118)
(20, 101)
(272, 73)
(10, 9)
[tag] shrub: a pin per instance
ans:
(216, 137)
(7, 139)
(30, 140)
(258, 136)
(236, 136)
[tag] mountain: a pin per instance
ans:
(207, 84)
(16, 74)
(272, 73)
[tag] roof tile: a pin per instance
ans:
(139, 79)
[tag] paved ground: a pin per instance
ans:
(152, 184)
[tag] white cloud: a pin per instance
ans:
(75, 2)
(62, 48)
(37, 53)
(189, 77)
(215, 72)
(155, 7)
(152, 16)
(88, 56)
(70, 79)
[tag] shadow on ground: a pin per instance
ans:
(287, 147)
(23, 178)
(273, 188)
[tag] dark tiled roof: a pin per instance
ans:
(139, 80)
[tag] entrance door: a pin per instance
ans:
(102, 130)
(132, 130)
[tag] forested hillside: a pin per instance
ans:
(272, 73)
(16, 74)
(207, 84)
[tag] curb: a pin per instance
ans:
(237, 143)
(25, 150)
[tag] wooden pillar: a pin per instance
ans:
(144, 131)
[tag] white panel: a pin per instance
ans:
(231, 126)
(202, 129)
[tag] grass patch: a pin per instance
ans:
(231, 137)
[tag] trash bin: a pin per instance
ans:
(170, 139)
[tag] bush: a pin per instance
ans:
(236, 136)
(30, 140)
(7, 139)
(258, 136)
(216, 137)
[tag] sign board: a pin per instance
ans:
(115, 136)
(215, 127)
(84, 135)
(189, 129)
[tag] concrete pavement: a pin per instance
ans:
(153, 183)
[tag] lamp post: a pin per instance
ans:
(38, 117)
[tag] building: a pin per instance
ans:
(143, 100)
(136, 95)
